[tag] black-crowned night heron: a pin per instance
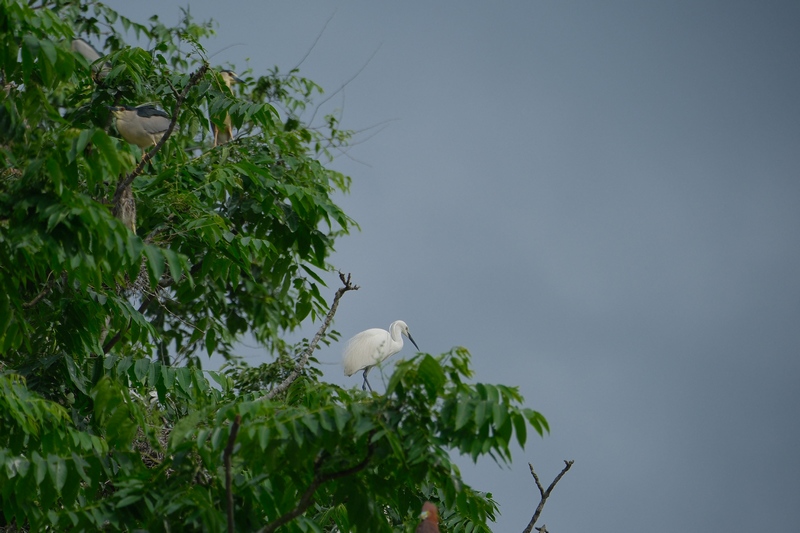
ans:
(143, 125)
(91, 55)
(222, 136)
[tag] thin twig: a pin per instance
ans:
(227, 459)
(314, 44)
(544, 494)
(347, 286)
(345, 84)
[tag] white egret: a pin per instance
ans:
(370, 347)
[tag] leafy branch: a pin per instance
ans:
(307, 498)
(126, 182)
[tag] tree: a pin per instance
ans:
(120, 268)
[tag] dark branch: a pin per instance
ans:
(227, 459)
(347, 286)
(48, 286)
(544, 495)
(307, 499)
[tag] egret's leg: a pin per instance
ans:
(366, 383)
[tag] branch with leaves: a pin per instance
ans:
(307, 499)
(126, 182)
(239, 238)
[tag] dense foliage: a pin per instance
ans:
(107, 420)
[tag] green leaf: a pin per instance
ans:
(107, 149)
(79, 145)
(49, 50)
(80, 467)
(39, 467)
(58, 471)
(211, 341)
(175, 264)
(113, 413)
(311, 422)
(140, 369)
(155, 263)
(481, 409)
(432, 375)
(536, 420)
(499, 414)
(75, 374)
(520, 426)
(184, 379)
(464, 410)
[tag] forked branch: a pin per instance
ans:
(544, 495)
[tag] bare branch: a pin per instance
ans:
(227, 459)
(544, 495)
(314, 44)
(347, 286)
(342, 86)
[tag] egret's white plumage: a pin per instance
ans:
(370, 347)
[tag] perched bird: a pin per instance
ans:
(370, 347)
(430, 519)
(91, 55)
(143, 125)
(226, 134)
(125, 208)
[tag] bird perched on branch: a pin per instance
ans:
(91, 55)
(370, 347)
(222, 136)
(430, 519)
(143, 125)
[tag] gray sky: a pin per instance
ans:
(599, 200)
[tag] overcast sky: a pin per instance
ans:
(601, 200)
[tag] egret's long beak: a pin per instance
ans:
(237, 79)
(412, 341)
